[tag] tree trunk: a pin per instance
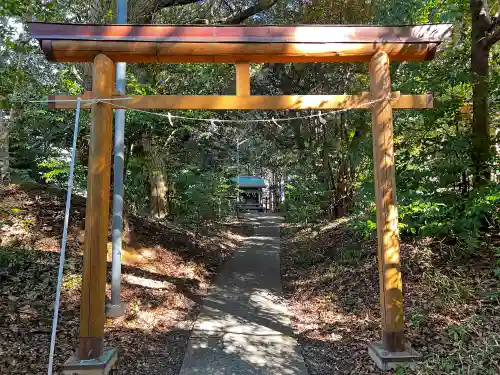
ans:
(344, 190)
(480, 51)
(157, 181)
(327, 172)
(463, 185)
(5, 133)
(275, 196)
(297, 135)
(272, 192)
(4, 149)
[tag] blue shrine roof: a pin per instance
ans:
(250, 181)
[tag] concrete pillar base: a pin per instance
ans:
(115, 311)
(392, 360)
(99, 366)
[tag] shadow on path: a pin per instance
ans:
(244, 326)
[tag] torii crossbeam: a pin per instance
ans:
(242, 45)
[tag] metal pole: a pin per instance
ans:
(237, 179)
(116, 308)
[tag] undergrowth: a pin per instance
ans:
(451, 295)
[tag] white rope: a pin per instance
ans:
(211, 120)
(64, 240)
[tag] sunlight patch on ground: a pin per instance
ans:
(335, 337)
(260, 238)
(334, 224)
(445, 319)
(48, 243)
(148, 283)
(133, 256)
(233, 236)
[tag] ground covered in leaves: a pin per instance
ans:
(166, 269)
(452, 310)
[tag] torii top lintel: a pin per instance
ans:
(231, 44)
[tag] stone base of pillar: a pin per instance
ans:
(99, 366)
(115, 311)
(392, 360)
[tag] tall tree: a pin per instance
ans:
(485, 33)
(4, 149)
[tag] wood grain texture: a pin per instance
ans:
(391, 293)
(230, 102)
(97, 213)
(242, 79)
(168, 52)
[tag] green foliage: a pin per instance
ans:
(458, 333)
(443, 215)
(416, 319)
(203, 196)
(16, 259)
(72, 281)
(302, 201)
(56, 169)
(351, 255)
(473, 352)
(433, 167)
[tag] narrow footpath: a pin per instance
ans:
(244, 327)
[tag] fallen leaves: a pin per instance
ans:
(162, 290)
(331, 282)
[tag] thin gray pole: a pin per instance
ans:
(116, 307)
(237, 178)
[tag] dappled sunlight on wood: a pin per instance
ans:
(318, 43)
(393, 277)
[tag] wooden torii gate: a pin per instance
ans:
(241, 45)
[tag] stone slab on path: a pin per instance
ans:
(244, 327)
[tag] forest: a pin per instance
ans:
(179, 187)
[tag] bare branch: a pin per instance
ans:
(493, 38)
(229, 5)
(142, 11)
(249, 12)
(173, 3)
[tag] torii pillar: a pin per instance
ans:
(391, 352)
(91, 357)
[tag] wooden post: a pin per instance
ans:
(391, 294)
(97, 213)
(249, 102)
(243, 79)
